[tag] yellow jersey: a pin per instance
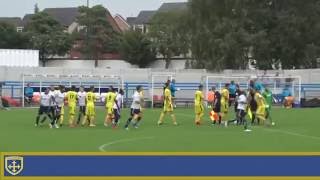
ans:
(167, 96)
(72, 97)
(110, 99)
(90, 98)
(224, 95)
(259, 99)
(198, 98)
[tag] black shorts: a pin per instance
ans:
(236, 107)
(232, 96)
(116, 112)
(52, 110)
(241, 113)
(82, 109)
(58, 110)
(44, 110)
(253, 107)
(217, 108)
(134, 112)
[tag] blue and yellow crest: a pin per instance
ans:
(13, 164)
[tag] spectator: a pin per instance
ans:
(28, 94)
(287, 97)
(173, 90)
(1, 105)
(232, 92)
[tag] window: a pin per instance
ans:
(19, 29)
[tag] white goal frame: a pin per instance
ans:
(294, 85)
(68, 79)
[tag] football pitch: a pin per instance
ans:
(296, 130)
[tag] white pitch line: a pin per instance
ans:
(275, 130)
(294, 134)
(104, 146)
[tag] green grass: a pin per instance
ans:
(296, 130)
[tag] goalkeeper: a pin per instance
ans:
(267, 94)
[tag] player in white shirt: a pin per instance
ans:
(135, 107)
(117, 108)
(59, 98)
(45, 102)
(242, 106)
(53, 103)
(82, 104)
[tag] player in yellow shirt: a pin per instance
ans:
(261, 106)
(90, 108)
(110, 100)
(72, 103)
(168, 106)
(198, 105)
(225, 103)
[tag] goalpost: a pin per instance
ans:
(40, 81)
(156, 87)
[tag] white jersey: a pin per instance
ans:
(119, 99)
(59, 97)
(136, 101)
(45, 99)
(52, 95)
(82, 98)
(242, 102)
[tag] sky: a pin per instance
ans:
(126, 8)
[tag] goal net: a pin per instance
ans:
(39, 82)
(280, 86)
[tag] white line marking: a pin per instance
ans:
(275, 130)
(103, 147)
(293, 134)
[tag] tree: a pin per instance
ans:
(10, 38)
(136, 48)
(36, 8)
(225, 33)
(168, 35)
(48, 36)
(219, 38)
(97, 37)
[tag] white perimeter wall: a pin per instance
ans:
(20, 58)
(144, 75)
(112, 64)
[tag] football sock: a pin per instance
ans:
(61, 119)
(79, 118)
(128, 122)
(43, 119)
(37, 119)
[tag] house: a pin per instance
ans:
(122, 23)
(130, 20)
(142, 21)
(176, 6)
(67, 17)
(15, 21)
